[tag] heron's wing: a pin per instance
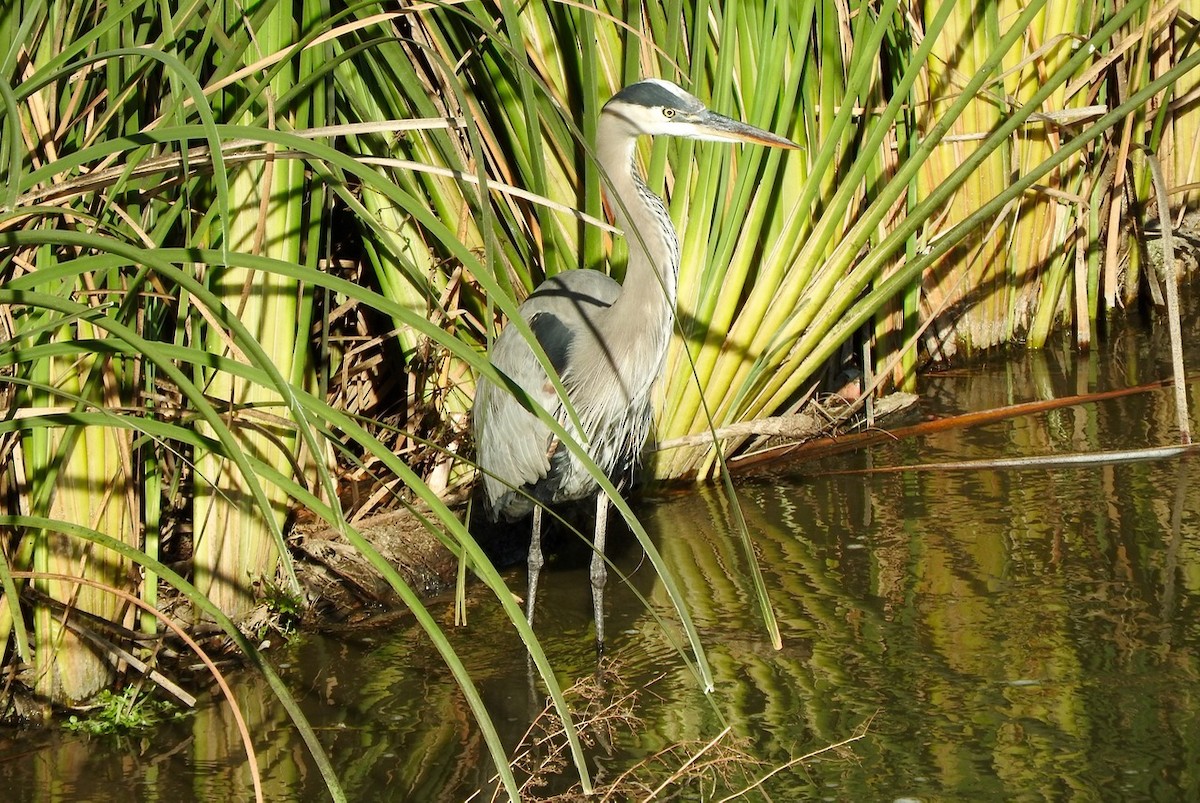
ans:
(512, 446)
(573, 295)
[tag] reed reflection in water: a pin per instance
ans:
(1003, 634)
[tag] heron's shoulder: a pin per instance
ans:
(569, 289)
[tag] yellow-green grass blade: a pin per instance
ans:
(267, 214)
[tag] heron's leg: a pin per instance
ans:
(535, 563)
(535, 568)
(599, 573)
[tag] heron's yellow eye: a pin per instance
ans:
(669, 113)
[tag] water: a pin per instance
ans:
(989, 635)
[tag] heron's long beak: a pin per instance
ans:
(720, 128)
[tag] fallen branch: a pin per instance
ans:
(809, 423)
(827, 446)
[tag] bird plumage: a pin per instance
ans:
(532, 466)
(606, 341)
(607, 345)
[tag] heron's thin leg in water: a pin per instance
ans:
(535, 563)
(599, 569)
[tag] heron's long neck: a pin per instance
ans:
(647, 296)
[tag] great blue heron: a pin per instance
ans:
(607, 341)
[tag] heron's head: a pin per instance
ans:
(660, 108)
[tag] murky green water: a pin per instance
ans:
(999, 634)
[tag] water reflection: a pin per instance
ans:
(1006, 634)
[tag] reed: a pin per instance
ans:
(273, 207)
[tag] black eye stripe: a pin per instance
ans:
(652, 94)
(647, 93)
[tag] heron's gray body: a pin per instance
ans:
(536, 467)
(606, 341)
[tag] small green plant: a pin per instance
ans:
(123, 713)
(286, 609)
